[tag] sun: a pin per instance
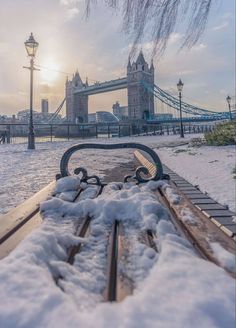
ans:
(49, 70)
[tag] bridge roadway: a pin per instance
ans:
(101, 87)
(188, 119)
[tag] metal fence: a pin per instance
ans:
(18, 133)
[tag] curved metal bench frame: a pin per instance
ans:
(140, 172)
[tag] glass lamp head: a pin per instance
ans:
(31, 46)
(228, 99)
(180, 85)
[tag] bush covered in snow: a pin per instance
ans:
(224, 134)
(196, 142)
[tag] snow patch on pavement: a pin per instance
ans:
(208, 167)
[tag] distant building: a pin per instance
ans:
(106, 117)
(102, 117)
(24, 115)
(92, 118)
(8, 119)
(44, 106)
(121, 112)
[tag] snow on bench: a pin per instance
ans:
(100, 242)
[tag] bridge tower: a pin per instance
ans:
(76, 103)
(140, 101)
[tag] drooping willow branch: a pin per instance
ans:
(157, 19)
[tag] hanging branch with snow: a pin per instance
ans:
(157, 19)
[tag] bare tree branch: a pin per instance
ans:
(158, 19)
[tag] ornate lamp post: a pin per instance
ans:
(180, 88)
(228, 99)
(31, 47)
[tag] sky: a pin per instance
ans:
(99, 49)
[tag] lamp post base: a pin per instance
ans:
(31, 141)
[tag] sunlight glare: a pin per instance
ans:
(49, 71)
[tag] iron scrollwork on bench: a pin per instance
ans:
(140, 172)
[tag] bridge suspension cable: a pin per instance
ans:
(57, 111)
(173, 102)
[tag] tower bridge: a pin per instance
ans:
(140, 100)
(141, 91)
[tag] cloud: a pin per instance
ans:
(222, 26)
(70, 2)
(72, 8)
(175, 38)
(198, 47)
(227, 15)
(3, 46)
(186, 72)
(223, 92)
(71, 13)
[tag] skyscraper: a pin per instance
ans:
(44, 106)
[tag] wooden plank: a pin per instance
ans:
(19, 235)
(17, 217)
(201, 230)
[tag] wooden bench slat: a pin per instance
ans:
(17, 217)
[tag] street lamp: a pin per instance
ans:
(31, 47)
(180, 88)
(228, 99)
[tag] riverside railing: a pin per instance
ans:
(18, 132)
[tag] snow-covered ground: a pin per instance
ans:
(174, 288)
(24, 172)
(211, 168)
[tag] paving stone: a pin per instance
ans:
(177, 178)
(230, 230)
(191, 192)
(222, 220)
(187, 188)
(211, 207)
(196, 196)
(183, 184)
(203, 201)
(217, 213)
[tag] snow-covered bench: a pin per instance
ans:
(23, 219)
(79, 186)
(99, 242)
